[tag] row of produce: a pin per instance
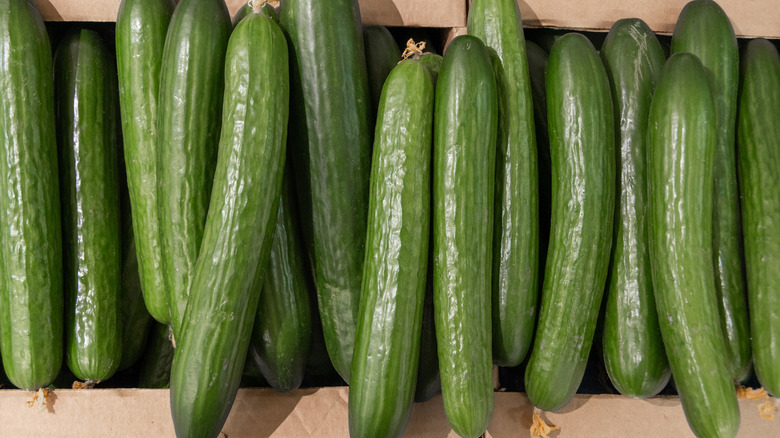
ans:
(514, 188)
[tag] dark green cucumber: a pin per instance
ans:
(428, 377)
(136, 320)
(248, 8)
(758, 133)
(465, 124)
(580, 117)
(633, 350)
(704, 30)
(155, 369)
(681, 151)
(387, 343)
(331, 144)
(212, 344)
(140, 36)
(382, 54)
(516, 228)
(85, 84)
(31, 298)
(190, 104)
(281, 336)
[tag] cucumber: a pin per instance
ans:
(85, 82)
(141, 26)
(136, 320)
(189, 108)
(516, 226)
(281, 336)
(704, 30)
(581, 129)
(432, 62)
(681, 154)
(31, 297)
(758, 132)
(387, 345)
(382, 54)
(155, 369)
(214, 338)
(330, 141)
(465, 124)
(633, 350)
(428, 377)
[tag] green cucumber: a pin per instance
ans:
(190, 104)
(136, 320)
(516, 229)
(464, 151)
(212, 344)
(758, 132)
(141, 27)
(681, 151)
(155, 369)
(432, 62)
(281, 336)
(387, 343)
(31, 298)
(580, 117)
(382, 54)
(248, 8)
(428, 377)
(633, 350)
(330, 141)
(85, 82)
(704, 30)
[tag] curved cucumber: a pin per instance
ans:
(516, 229)
(758, 132)
(465, 123)
(330, 141)
(580, 117)
(281, 335)
(86, 98)
(212, 344)
(681, 152)
(141, 26)
(387, 345)
(633, 350)
(704, 30)
(190, 104)
(31, 300)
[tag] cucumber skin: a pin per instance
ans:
(681, 152)
(85, 84)
(516, 228)
(704, 30)
(155, 369)
(281, 335)
(382, 54)
(330, 141)
(140, 36)
(465, 124)
(136, 320)
(757, 134)
(31, 297)
(213, 342)
(581, 128)
(632, 346)
(387, 346)
(189, 108)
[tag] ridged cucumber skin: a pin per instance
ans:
(155, 369)
(212, 344)
(581, 128)
(31, 297)
(188, 112)
(382, 54)
(141, 28)
(330, 138)
(633, 350)
(681, 151)
(465, 124)
(387, 343)
(704, 30)
(758, 132)
(85, 84)
(281, 335)
(136, 320)
(516, 228)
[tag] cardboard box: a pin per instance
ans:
(323, 413)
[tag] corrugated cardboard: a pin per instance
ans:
(323, 413)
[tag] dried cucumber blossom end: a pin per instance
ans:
(39, 398)
(413, 50)
(87, 384)
(767, 409)
(539, 427)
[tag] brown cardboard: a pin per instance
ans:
(413, 13)
(322, 412)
